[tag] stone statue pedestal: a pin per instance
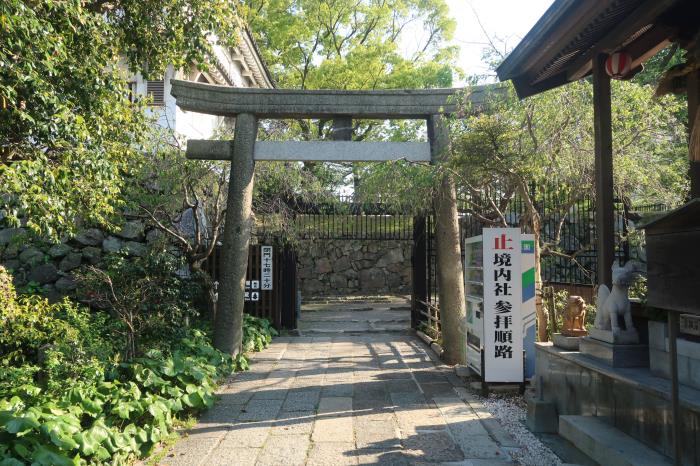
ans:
(623, 337)
(567, 342)
(610, 349)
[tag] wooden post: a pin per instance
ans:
(673, 328)
(693, 84)
(228, 329)
(604, 207)
(449, 259)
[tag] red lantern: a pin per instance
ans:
(618, 65)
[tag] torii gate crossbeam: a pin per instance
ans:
(248, 105)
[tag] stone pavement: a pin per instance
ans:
(344, 400)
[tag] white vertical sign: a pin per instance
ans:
(503, 339)
(266, 268)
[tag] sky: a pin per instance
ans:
(506, 20)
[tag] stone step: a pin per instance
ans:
(355, 299)
(323, 331)
(607, 445)
(372, 321)
(336, 309)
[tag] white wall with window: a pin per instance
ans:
(240, 66)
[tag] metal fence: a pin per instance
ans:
(278, 305)
(568, 225)
(346, 218)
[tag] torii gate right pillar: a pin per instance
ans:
(450, 282)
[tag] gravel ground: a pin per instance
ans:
(510, 411)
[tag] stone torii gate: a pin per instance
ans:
(248, 105)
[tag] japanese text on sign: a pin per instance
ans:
(503, 343)
(266, 268)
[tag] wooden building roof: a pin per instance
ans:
(561, 47)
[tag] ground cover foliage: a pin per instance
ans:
(77, 386)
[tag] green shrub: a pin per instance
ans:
(66, 395)
(257, 333)
(147, 296)
(44, 345)
(8, 295)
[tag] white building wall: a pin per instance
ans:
(192, 125)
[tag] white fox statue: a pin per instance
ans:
(611, 304)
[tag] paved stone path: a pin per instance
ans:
(344, 400)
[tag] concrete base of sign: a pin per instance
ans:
(542, 416)
(566, 342)
(615, 355)
(623, 337)
(462, 370)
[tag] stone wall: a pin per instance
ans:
(50, 267)
(352, 267)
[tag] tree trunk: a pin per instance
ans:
(532, 224)
(540, 311)
(449, 259)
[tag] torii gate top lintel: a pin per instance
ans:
(296, 103)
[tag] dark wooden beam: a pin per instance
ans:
(644, 15)
(641, 49)
(604, 206)
(559, 25)
(295, 103)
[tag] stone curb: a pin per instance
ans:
(432, 344)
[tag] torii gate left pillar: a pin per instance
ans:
(228, 331)
(247, 105)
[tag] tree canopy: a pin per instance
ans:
(344, 44)
(68, 127)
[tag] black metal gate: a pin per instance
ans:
(278, 305)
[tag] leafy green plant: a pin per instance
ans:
(257, 333)
(429, 330)
(67, 398)
(42, 345)
(120, 417)
(638, 289)
(69, 129)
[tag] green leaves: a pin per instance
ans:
(68, 128)
(117, 419)
(20, 425)
(121, 416)
(257, 333)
